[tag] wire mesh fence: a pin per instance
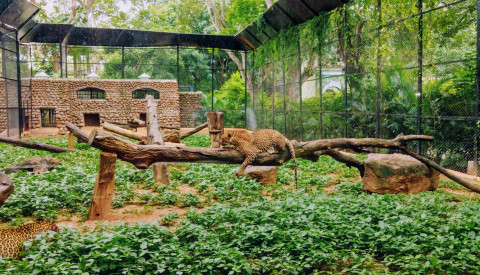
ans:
(376, 69)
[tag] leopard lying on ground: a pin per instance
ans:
(251, 144)
(11, 240)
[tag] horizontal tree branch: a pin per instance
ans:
(142, 156)
(34, 145)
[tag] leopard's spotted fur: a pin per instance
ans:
(11, 240)
(251, 144)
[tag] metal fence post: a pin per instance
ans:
(66, 61)
(345, 13)
(245, 91)
(320, 88)
(284, 99)
(477, 94)
(123, 62)
(300, 87)
(379, 70)
(420, 74)
(178, 65)
(211, 67)
(19, 87)
(61, 60)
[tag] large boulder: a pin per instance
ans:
(6, 188)
(397, 173)
(267, 175)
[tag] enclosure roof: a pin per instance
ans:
(17, 15)
(71, 35)
(281, 15)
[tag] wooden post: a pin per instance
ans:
(160, 169)
(215, 128)
(70, 141)
(104, 184)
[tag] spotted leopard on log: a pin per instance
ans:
(11, 240)
(252, 144)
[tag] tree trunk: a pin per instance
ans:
(215, 128)
(160, 169)
(34, 145)
(102, 196)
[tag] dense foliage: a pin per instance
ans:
(244, 227)
(348, 232)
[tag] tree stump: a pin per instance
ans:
(102, 196)
(215, 128)
(6, 188)
(160, 169)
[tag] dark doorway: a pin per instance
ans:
(48, 117)
(143, 116)
(26, 123)
(91, 119)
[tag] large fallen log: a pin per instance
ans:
(34, 145)
(142, 156)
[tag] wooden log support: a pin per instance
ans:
(194, 130)
(70, 141)
(124, 132)
(104, 184)
(6, 188)
(160, 169)
(215, 128)
(34, 145)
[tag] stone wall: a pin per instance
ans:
(61, 94)
(190, 107)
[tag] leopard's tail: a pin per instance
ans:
(292, 153)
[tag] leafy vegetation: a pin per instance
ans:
(348, 232)
(245, 227)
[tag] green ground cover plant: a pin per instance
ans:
(243, 227)
(349, 232)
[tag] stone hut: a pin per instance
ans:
(87, 102)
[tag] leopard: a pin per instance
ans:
(250, 144)
(11, 240)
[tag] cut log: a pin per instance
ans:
(124, 132)
(154, 137)
(102, 195)
(215, 128)
(6, 188)
(70, 141)
(34, 145)
(194, 130)
(36, 164)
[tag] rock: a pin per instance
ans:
(397, 173)
(6, 188)
(267, 175)
(36, 164)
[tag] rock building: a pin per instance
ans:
(86, 102)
